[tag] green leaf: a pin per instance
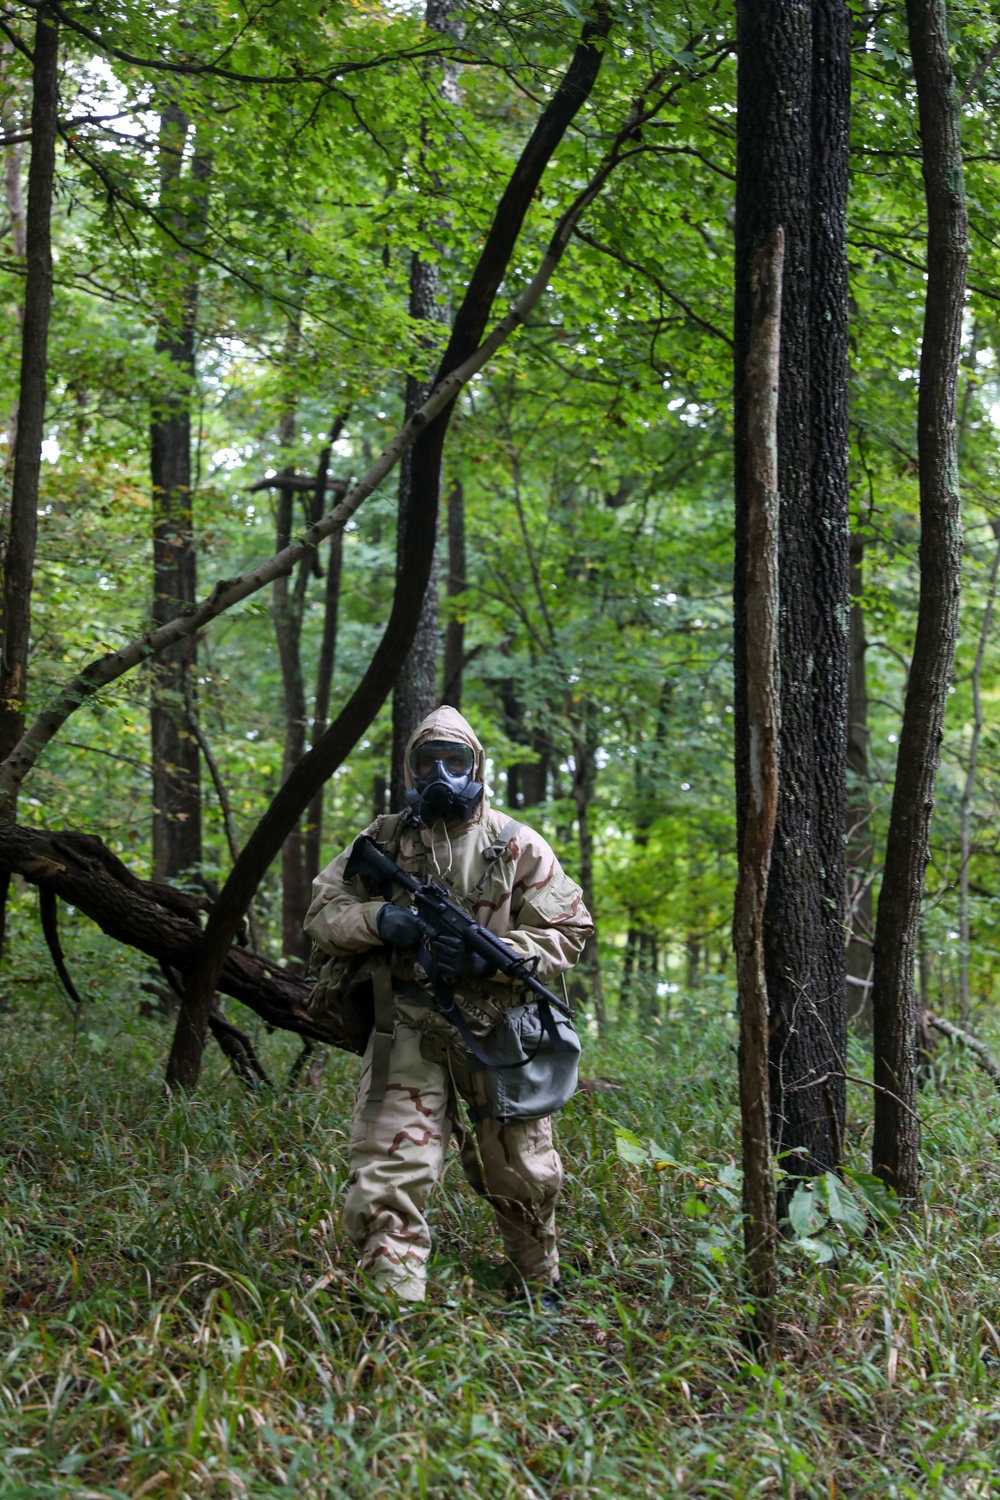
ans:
(820, 1250)
(630, 1148)
(806, 1213)
(881, 1201)
(842, 1207)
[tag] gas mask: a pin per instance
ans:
(442, 781)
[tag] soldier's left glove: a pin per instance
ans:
(455, 958)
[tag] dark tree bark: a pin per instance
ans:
(341, 736)
(158, 920)
(288, 602)
(415, 693)
(176, 761)
(19, 556)
(792, 138)
(588, 971)
(896, 1141)
(313, 830)
(759, 630)
(454, 636)
(527, 780)
(860, 845)
(14, 199)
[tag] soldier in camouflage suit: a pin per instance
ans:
(507, 877)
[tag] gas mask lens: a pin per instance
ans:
(457, 760)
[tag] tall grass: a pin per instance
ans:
(176, 1318)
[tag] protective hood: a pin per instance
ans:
(448, 724)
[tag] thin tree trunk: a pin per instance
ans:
(792, 140)
(288, 605)
(584, 780)
(19, 559)
(896, 1141)
(860, 846)
(313, 831)
(965, 930)
(454, 636)
(465, 347)
(415, 693)
(14, 199)
(176, 760)
(760, 607)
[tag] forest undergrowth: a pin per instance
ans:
(176, 1318)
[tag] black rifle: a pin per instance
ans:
(438, 915)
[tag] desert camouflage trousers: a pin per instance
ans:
(397, 1158)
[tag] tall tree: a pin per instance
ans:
(416, 690)
(896, 1140)
(19, 557)
(792, 141)
(463, 346)
(175, 754)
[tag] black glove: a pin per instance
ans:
(455, 958)
(398, 926)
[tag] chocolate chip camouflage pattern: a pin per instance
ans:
(396, 1158)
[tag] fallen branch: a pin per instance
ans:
(979, 1049)
(158, 920)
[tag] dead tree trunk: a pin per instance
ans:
(896, 1141)
(792, 140)
(584, 782)
(965, 824)
(19, 558)
(759, 628)
(176, 760)
(860, 846)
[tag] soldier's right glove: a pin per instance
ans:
(398, 926)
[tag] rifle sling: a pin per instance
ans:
(381, 1037)
(451, 1011)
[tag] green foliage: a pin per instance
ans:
(175, 1314)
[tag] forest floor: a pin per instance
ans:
(176, 1321)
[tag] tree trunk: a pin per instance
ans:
(415, 693)
(896, 1141)
(965, 836)
(454, 636)
(313, 831)
(19, 558)
(160, 921)
(792, 139)
(860, 845)
(176, 761)
(287, 607)
(584, 780)
(14, 199)
(760, 691)
(312, 771)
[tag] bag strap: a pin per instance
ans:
(381, 1037)
(495, 851)
(450, 1009)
